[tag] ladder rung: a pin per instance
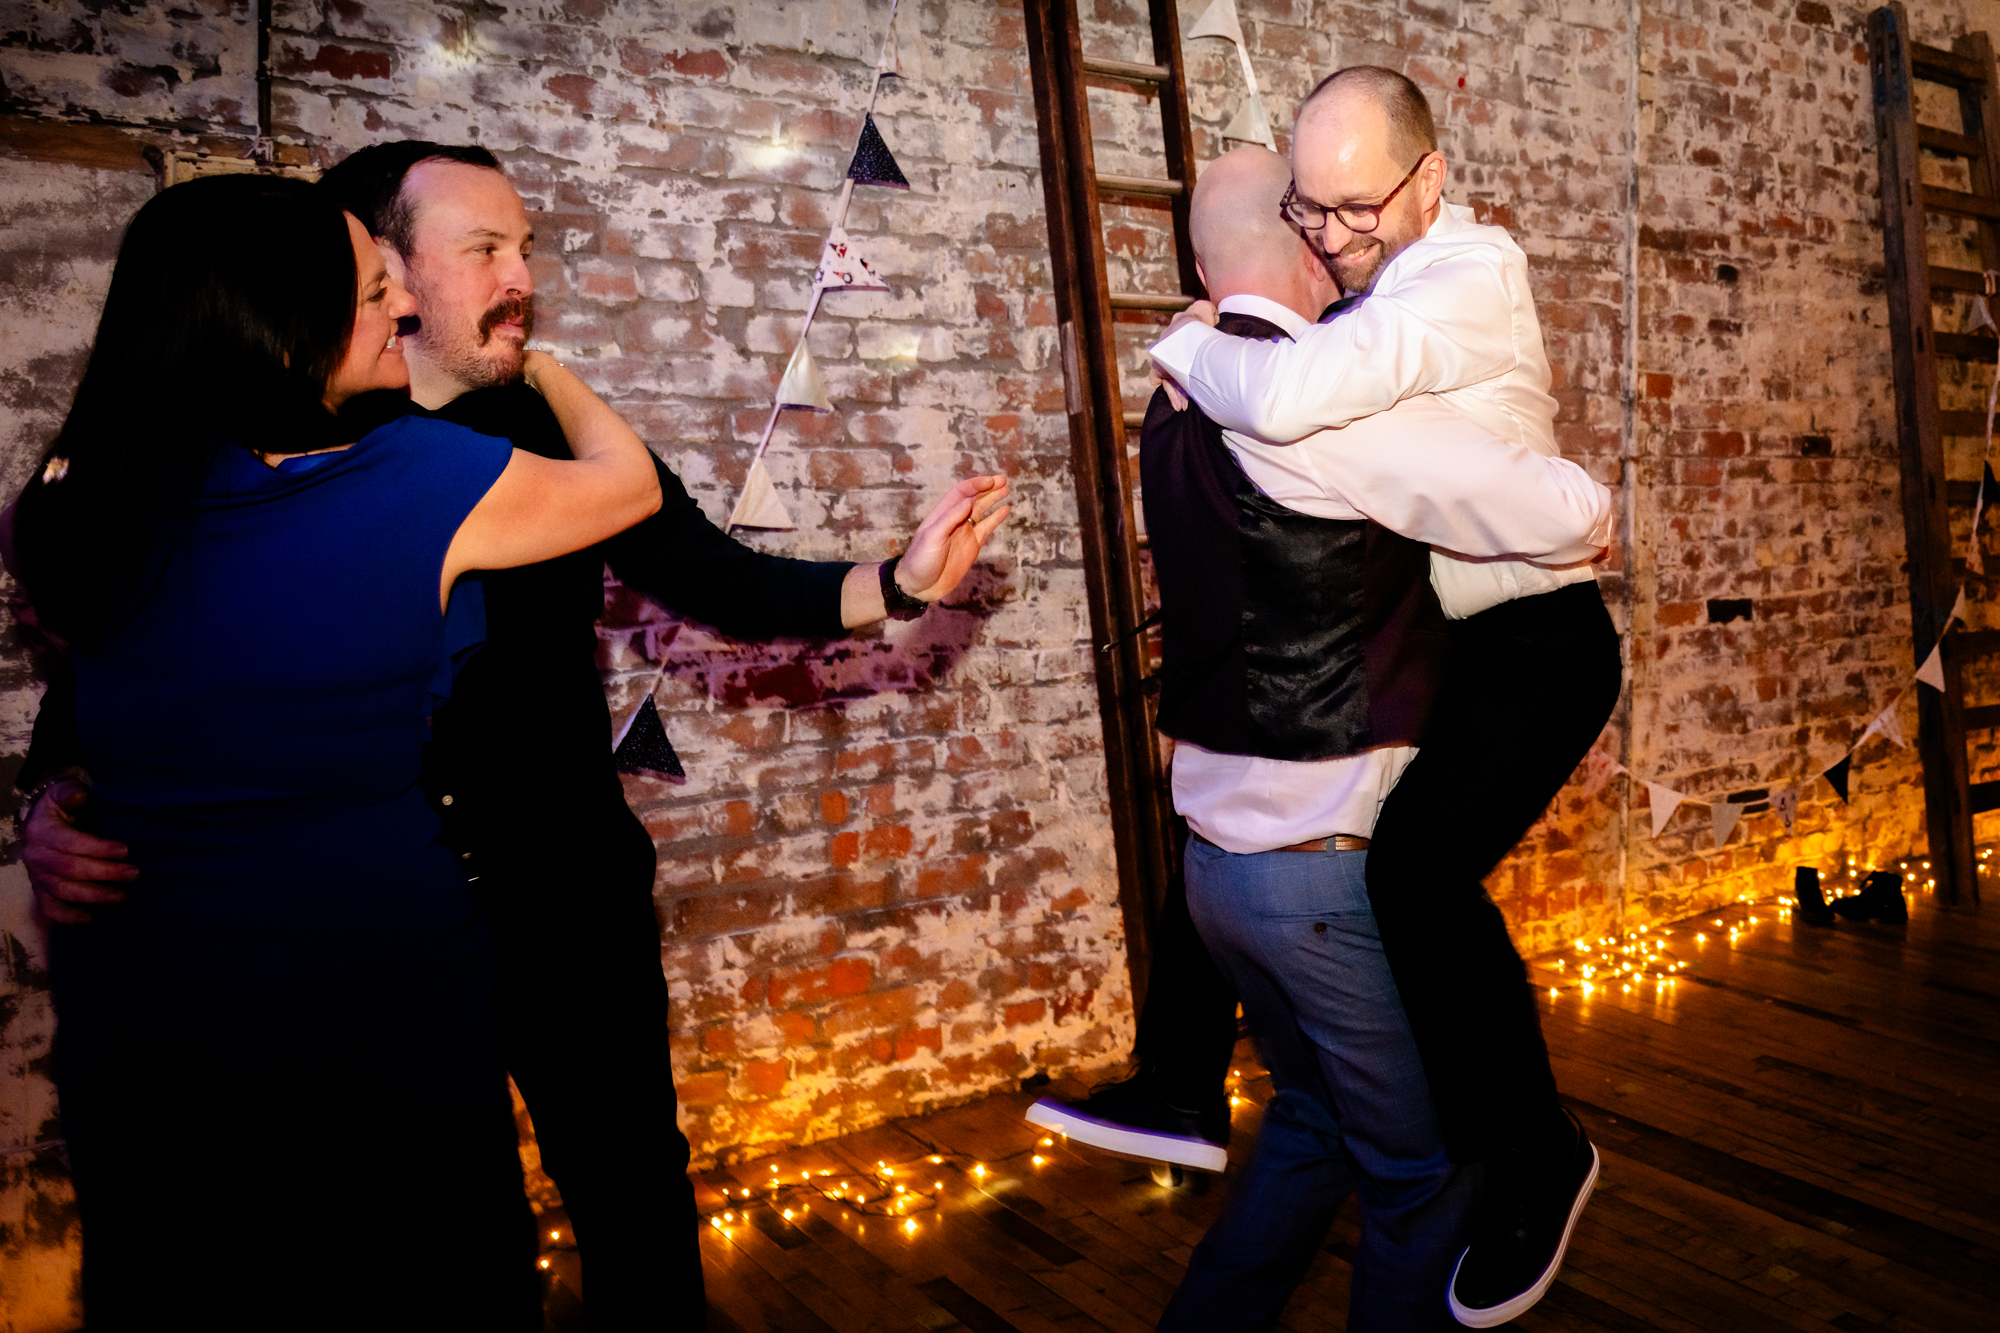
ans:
(1957, 279)
(1985, 796)
(1940, 200)
(1134, 420)
(1149, 301)
(1965, 347)
(1983, 718)
(1961, 492)
(1963, 423)
(1942, 66)
(1127, 69)
(1944, 141)
(1142, 185)
(1976, 642)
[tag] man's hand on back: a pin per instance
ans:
(69, 869)
(1201, 312)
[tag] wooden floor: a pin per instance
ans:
(1802, 1133)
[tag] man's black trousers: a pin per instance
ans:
(1531, 684)
(583, 1019)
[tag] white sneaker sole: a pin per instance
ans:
(1499, 1314)
(1147, 1147)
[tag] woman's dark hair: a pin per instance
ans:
(230, 308)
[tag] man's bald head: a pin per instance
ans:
(1241, 241)
(1365, 137)
(1407, 128)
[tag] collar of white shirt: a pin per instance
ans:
(1264, 308)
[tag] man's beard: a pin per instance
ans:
(473, 356)
(1356, 273)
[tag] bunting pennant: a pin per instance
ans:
(645, 748)
(1975, 550)
(873, 163)
(1665, 801)
(843, 269)
(1218, 20)
(1598, 768)
(1979, 318)
(1887, 724)
(890, 63)
(1836, 777)
(759, 505)
(802, 385)
(1931, 672)
(1723, 815)
(1785, 800)
(1957, 608)
(1250, 124)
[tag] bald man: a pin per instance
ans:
(1438, 309)
(1303, 648)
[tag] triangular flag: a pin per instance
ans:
(1975, 550)
(1836, 777)
(1978, 317)
(802, 386)
(1887, 723)
(1218, 20)
(873, 163)
(1724, 814)
(1598, 768)
(1250, 124)
(1957, 608)
(1665, 801)
(646, 748)
(759, 506)
(1931, 672)
(1785, 800)
(842, 269)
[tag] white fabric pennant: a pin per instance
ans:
(890, 64)
(1665, 801)
(760, 506)
(1785, 800)
(842, 268)
(1887, 724)
(1723, 815)
(1957, 608)
(1978, 316)
(1931, 672)
(1250, 123)
(802, 386)
(1218, 20)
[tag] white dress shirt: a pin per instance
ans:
(1451, 316)
(1426, 469)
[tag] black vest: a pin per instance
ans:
(1284, 636)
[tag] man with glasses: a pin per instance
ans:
(1434, 304)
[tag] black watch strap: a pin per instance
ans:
(900, 605)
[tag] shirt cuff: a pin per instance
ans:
(1175, 352)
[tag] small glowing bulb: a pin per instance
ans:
(545, 1263)
(1039, 1159)
(788, 1214)
(935, 1159)
(1048, 1143)
(979, 1169)
(910, 1226)
(555, 1235)
(1552, 992)
(729, 1217)
(715, 1222)
(937, 1184)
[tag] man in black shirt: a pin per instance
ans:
(520, 767)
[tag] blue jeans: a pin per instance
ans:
(1352, 1108)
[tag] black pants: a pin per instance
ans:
(1187, 1027)
(1531, 684)
(583, 1023)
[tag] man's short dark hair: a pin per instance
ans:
(1412, 131)
(369, 183)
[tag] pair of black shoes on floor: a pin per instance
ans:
(1880, 899)
(1528, 1208)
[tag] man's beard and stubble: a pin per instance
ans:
(484, 354)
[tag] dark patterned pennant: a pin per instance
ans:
(646, 748)
(1836, 777)
(873, 163)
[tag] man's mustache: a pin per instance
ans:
(514, 307)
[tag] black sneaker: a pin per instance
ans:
(1880, 899)
(1518, 1241)
(1812, 908)
(1130, 1119)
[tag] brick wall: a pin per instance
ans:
(888, 881)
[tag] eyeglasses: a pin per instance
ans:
(1362, 218)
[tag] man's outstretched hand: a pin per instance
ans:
(947, 542)
(70, 870)
(1201, 312)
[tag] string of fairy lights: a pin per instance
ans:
(1645, 956)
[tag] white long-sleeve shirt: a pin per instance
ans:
(1450, 316)
(1425, 469)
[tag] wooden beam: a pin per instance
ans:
(1944, 141)
(103, 147)
(1150, 301)
(1960, 203)
(1146, 185)
(1940, 66)
(1131, 71)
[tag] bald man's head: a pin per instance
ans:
(1242, 243)
(1365, 136)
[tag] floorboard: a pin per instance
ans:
(1802, 1135)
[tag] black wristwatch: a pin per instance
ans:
(900, 605)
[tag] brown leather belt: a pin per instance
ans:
(1339, 842)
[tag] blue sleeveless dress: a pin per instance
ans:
(279, 1051)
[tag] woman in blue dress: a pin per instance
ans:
(284, 1104)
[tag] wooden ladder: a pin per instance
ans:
(1142, 817)
(1943, 719)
